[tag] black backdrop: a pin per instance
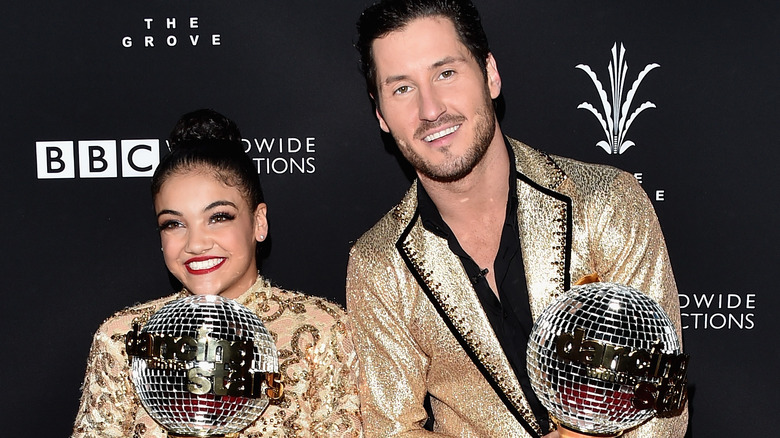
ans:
(83, 77)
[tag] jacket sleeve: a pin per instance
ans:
(108, 402)
(332, 394)
(629, 249)
(392, 366)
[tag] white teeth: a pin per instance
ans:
(441, 134)
(205, 264)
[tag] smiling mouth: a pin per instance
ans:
(442, 133)
(204, 266)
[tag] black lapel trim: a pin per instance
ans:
(508, 403)
(569, 225)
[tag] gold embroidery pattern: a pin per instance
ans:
(139, 430)
(306, 331)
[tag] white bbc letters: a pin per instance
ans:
(97, 158)
(55, 159)
(140, 157)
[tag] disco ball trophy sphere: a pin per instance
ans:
(204, 365)
(604, 358)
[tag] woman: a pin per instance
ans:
(211, 216)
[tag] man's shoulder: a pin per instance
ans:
(600, 184)
(580, 169)
(575, 178)
(385, 233)
(531, 160)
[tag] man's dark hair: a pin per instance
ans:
(389, 16)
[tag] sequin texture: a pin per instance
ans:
(419, 328)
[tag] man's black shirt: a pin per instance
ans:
(510, 316)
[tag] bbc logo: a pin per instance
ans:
(97, 158)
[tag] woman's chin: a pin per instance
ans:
(229, 288)
(206, 292)
(203, 289)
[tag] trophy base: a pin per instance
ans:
(230, 435)
(565, 432)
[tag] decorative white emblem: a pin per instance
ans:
(616, 124)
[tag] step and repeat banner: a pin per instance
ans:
(90, 90)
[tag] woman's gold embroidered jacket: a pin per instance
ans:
(418, 325)
(316, 359)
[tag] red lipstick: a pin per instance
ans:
(204, 264)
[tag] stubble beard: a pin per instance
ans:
(454, 168)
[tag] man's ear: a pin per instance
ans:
(378, 112)
(493, 77)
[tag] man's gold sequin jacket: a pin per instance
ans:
(419, 327)
(316, 359)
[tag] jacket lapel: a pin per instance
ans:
(544, 220)
(442, 277)
(544, 217)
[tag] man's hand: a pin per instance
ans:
(567, 433)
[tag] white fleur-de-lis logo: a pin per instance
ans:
(617, 123)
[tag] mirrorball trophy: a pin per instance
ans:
(604, 358)
(204, 365)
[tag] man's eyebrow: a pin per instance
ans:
(446, 61)
(389, 80)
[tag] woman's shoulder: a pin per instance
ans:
(122, 321)
(298, 305)
(294, 317)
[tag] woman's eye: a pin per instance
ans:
(221, 217)
(169, 225)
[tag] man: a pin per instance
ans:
(443, 290)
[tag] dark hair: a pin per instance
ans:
(206, 138)
(204, 124)
(389, 16)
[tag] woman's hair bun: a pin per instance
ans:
(204, 124)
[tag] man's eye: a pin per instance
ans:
(447, 74)
(402, 89)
